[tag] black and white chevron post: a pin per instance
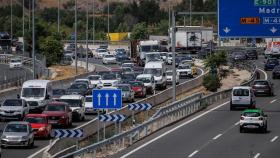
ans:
(68, 133)
(140, 106)
(112, 118)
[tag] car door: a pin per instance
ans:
(25, 107)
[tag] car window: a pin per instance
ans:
(263, 83)
(73, 102)
(78, 86)
(55, 108)
(12, 103)
(35, 119)
(144, 80)
(16, 128)
(109, 77)
(240, 92)
(124, 88)
(88, 99)
(59, 92)
(251, 114)
(93, 77)
(136, 83)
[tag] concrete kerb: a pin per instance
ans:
(153, 100)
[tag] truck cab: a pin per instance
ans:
(158, 69)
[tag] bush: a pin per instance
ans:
(211, 82)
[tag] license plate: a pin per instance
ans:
(260, 91)
(251, 126)
(52, 122)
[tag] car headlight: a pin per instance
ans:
(40, 102)
(3, 137)
(24, 137)
(42, 128)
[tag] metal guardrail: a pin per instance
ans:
(167, 115)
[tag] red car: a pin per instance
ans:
(39, 122)
(59, 113)
(139, 88)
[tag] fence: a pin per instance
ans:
(165, 116)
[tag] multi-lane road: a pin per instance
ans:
(40, 145)
(214, 132)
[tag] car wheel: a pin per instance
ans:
(32, 144)
(83, 119)
(241, 130)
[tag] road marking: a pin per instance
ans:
(192, 154)
(217, 136)
(273, 139)
(265, 74)
(273, 101)
(257, 155)
(237, 123)
(172, 130)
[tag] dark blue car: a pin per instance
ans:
(270, 64)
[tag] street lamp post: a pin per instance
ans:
(33, 37)
(87, 39)
(190, 12)
(76, 62)
(23, 28)
(173, 58)
(58, 16)
(11, 21)
(108, 21)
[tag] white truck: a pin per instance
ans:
(146, 47)
(158, 69)
(192, 38)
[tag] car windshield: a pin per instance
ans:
(109, 56)
(169, 73)
(155, 72)
(126, 69)
(35, 119)
(263, 83)
(109, 77)
(124, 88)
(136, 84)
(14, 102)
(94, 77)
(72, 102)
(128, 77)
(240, 92)
(81, 81)
(169, 55)
(272, 61)
(16, 128)
(59, 92)
(152, 48)
(144, 80)
(55, 108)
(88, 99)
(78, 86)
(128, 65)
(15, 60)
(33, 92)
(102, 50)
(251, 114)
(184, 67)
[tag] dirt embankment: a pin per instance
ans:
(63, 72)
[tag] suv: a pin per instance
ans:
(253, 119)
(185, 70)
(263, 87)
(77, 105)
(252, 54)
(14, 109)
(270, 64)
(242, 97)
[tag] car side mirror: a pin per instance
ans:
(33, 130)
(47, 96)
(18, 96)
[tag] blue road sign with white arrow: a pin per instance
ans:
(112, 118)
(249, 18)
(107, 99)
(139, 106)
(68, 133)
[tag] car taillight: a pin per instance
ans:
(260, 118)
(241, 118)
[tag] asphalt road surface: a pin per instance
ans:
(7, 74)
(214, 133)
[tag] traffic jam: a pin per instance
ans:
(40, 108)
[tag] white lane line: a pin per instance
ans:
(273, 101)
(237, 123)
(273, 139)
(265, 74)
(172, 130)
(192, 154)
(217, 136)
(257, 155)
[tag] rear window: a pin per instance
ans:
(251, 114)
(240, 92)
(263, 83)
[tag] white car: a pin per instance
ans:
(86, 81)
(94, 80)
(15, 63)
(242, 97)
(253, 119)
(77, 105)
(89, 106)
(149, 82)
(108, 80)
(101, 52)
(169, 58)
(169, 76)
(109, 59)
(14, 109)
(184, 71)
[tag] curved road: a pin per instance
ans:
(41, 144)
(214, 132)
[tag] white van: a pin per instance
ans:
(77, 105)
(242, 97)
(158, 70)
(37, 93)
(149, 82)
(154, 56)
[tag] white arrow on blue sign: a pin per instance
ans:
(140, 106)
(107, 99)
(68, 133)
(112, 118)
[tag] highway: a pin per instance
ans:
(214, 133)
(41, 144)
(6, 73)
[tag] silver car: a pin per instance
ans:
(18, 133)
(127, 92)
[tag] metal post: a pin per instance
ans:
(11, 21)
(33, 38)
(76, 58)
(202, 20)
(190, 12)
(87, 40)
(116, 128)
(58, 16)
(23, 28)
(133, 119)
(173, 58)
(93, 22)
(98, 124)
(29, 17)
(104, 131)
(108, 21)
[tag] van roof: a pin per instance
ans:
(72, 96)
(154, 64)
(36, 83)
(145, 76)
(242, 87)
